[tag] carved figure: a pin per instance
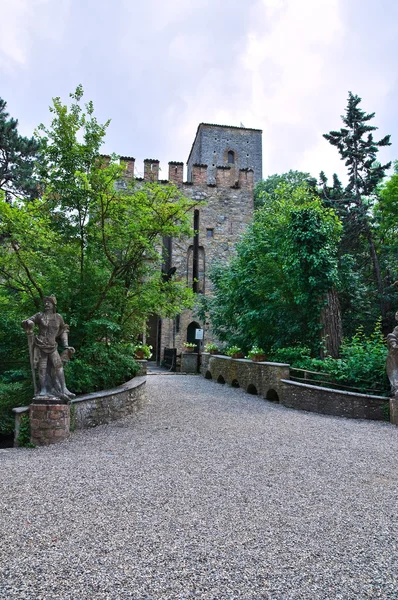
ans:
(43, 350)
(392, 358)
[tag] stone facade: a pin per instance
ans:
(219, 145)
(226, 212)
(224, 193)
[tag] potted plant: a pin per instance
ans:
(189, 346)
(234, 352)
(256, 354)
(142, 351)
(211, 348)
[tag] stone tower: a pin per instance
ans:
(223, 165)
(225, 145)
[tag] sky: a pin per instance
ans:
(158, 68)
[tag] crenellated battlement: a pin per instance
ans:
(225, 176)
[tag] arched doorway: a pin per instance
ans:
(191, 331)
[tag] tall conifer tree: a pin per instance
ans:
(17, 157)
(358, 149)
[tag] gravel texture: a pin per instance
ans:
(208, 493)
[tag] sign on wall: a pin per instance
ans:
(198, 334)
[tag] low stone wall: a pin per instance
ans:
(90, 410)
(271, 381)
(334, 402)
(262, 378)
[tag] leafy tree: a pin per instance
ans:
(276, 287)
(266, 188)
(95, 240)
(358, 149)
(17, 157)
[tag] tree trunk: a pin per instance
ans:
(332, 329)
(377, 272)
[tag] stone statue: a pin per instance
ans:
(44, 355)
(392, 359)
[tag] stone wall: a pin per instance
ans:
(271, 381)
(334, 402)
(223, 218)
(262, 378)
(102, 407)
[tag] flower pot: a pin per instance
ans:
(237, 355)
(213, 351)
(258, 357)
(189, 349)
(139, 355)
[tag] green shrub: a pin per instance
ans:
(291, 354)
(12, 394)
(362, 362)
(100, 366)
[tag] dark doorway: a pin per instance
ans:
(153, 336)
(191, 331)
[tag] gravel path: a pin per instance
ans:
(206, 493)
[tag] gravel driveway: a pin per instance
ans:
(208, 493)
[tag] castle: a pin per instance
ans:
(223, 165)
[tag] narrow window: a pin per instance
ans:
(209, 233)
(231, 156)
(195, 261)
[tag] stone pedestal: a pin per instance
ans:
(189, 362)
(49, 423)
(394, 411)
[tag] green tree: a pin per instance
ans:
(266, 188)
(17, 157)
(277, 286)
(94, 239)
(358, 149)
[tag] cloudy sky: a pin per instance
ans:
(158, 68)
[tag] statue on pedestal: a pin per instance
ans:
(44, 355)
(392, 359)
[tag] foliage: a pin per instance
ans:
(211, 347)
(231, 350)
(101, 366)
(12, 394)
(255, 351)
(362, 362)
(264, 190)
(189, 345)
(17, 157)
(272, 292)
(292, 355)
(94, 239)
(358, 149)
(144, 349)
(24, 432)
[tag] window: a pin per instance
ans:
(209, 233)
(231, 156)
